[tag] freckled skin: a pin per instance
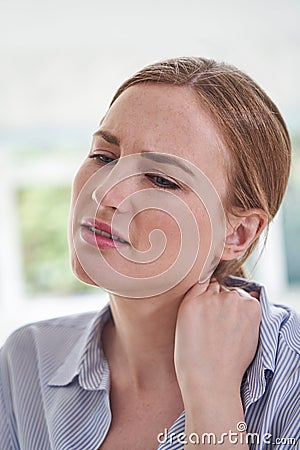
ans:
(160, 119)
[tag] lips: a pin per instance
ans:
(102, 232)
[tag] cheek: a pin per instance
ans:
(79, 191)
(79, 181)
(81, 177)
(204, 226)
(154, 227)
(181, 238)
(177, 231)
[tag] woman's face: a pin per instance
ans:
(146, 215)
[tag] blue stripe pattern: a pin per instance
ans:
(55, 383)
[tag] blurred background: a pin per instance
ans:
(60, 63)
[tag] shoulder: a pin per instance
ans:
(33, 353)
(281, 325)
(277, 319)
(280, 346)
(289, 331)
(29, 359)
(39, 342)
(47, 330)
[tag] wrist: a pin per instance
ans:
(212, 400)
(194, 386)
(216, 412)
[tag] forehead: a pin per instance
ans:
(166, 109)
(165, 116)
(168, 119)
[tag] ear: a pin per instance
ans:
(242, 231)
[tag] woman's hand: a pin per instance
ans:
(216, 337)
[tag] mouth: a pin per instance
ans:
(105, 234)
(102, 232)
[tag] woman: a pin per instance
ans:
(186, 170)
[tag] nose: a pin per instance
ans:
(115, 193)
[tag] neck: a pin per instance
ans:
(139, 342)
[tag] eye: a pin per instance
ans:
(101, 158)
(163, 182)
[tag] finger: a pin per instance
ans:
(199, 289)
(213, 286)
(225, 288)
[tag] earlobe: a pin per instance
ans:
(242, 232)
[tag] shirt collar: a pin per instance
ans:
(86, 360)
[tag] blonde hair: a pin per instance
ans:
(252, 129)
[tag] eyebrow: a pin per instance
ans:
(153, 156)
(166, 159)
(108, 137)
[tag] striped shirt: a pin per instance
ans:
(55, 383)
